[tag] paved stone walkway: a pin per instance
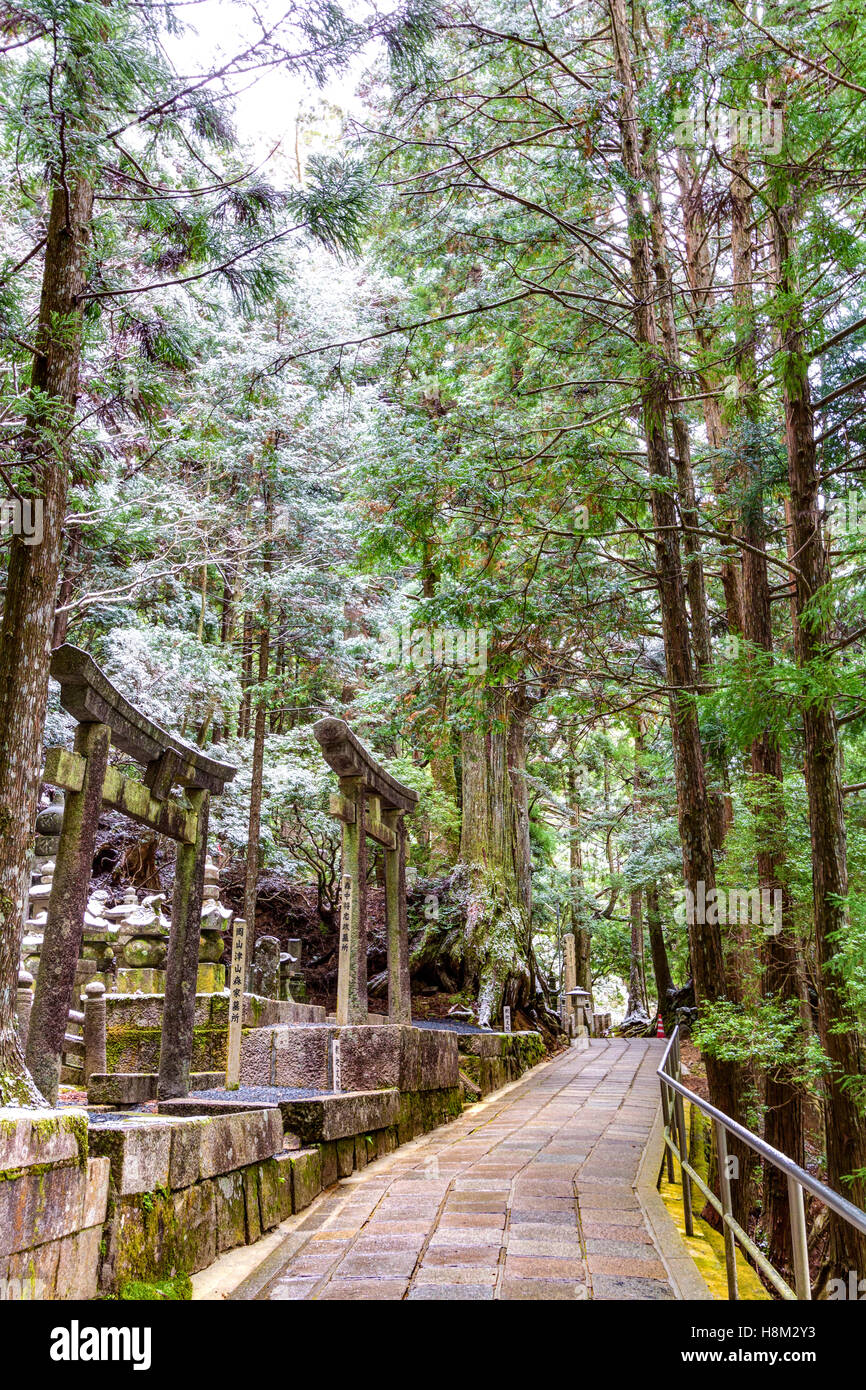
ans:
(529, 1195)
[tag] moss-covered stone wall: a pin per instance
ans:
(491, 1060)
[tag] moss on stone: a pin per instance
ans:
(472, 1066)
(119, 1042)
(529, 1049)
(707, 1246)
(16, 1091)
(158, 1237)
(306, 1177)
(32, 1170)
(176, 1290)
(123, 1046)
(46, 1125)
(78, 1124)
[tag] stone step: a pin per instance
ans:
(313, 1118)
(136, 1087)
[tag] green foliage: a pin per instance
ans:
(849, 962)
(769, 1035)
(176, 1290)
(437, 819)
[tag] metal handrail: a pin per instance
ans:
(673, 1094)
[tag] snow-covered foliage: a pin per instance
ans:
(171, 676)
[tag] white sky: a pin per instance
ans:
(267, 106)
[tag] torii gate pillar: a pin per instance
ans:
(352, 957)
(396, 926)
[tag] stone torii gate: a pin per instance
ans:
(104, 718)
(370, 802)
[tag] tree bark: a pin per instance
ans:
(246, 676)
(580, 930)
(725, 1079)
(783, 1101)
(845, 1127)
(719, 800)
(67, 584)
(695, 582)
(636, 986)
(658, 952)
(28, 613)
(227, 613)
(444, 845)
(494, 850)
(699, 272)
(251, 875)
(637, 1000)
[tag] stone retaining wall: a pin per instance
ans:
(371, 1057)
(491, 1060)
(185, 1190)
(53, 1199)
(140, 1198)
(133, 1028)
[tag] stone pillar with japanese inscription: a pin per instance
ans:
(352, 958)
(396, 927)
(569, 970)
(236, 1003)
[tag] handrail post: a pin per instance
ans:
(679, 1110)
(799, 1239)
(682, 1142)
(667, 1120)
(727, 1209)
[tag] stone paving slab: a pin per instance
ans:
(451, 1292)
(528, 1196)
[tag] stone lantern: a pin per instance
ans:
(49, 824)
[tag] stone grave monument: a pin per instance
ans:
(215, 922)
(264, 973)
(143, 941)
(292, 985)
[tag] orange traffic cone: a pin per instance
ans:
(660, 1030)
